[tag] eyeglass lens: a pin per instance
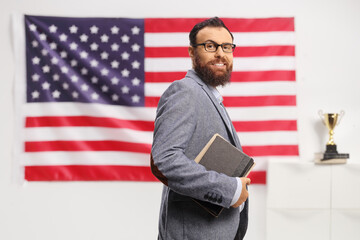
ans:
(212, 47)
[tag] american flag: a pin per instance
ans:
(92, 86)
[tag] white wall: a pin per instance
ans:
(327, 57)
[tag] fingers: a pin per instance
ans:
(244, 192)
(245, 181)
(244, 195)
(236, 205)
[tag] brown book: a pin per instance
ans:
(221, 156)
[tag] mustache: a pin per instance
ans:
(219, 60)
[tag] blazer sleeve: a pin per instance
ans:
(175, 125)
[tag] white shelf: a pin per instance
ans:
(310, 201)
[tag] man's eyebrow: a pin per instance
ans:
(209, 40)
(212, 41)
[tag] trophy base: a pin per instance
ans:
(332, 153)
(331, 161)
(319, 159)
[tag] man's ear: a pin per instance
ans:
(191, 51)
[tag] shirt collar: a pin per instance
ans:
(216, 94)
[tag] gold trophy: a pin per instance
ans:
(331, 120)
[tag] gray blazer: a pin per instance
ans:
(188, 115)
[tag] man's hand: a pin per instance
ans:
(244, 192)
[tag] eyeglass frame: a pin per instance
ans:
(216, 46)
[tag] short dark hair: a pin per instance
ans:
(211, 22)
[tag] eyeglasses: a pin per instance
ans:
(213, 46)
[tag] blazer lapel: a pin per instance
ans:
(221, 110)
(234, 134)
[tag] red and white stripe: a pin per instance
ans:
(76, 141)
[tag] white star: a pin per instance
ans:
(104, 88)
(135, 47)
(35, 94)
(66, 86)
(44, 52)
(35, 77)
(135, 98)
(84, 87)
(114, 80)
(74, 78)
(104, 72)
(94, 47)
(114, 47)
(73, 46)
(135, 64)
(125, 38)
(104, 38)
(54, 60)
(53, 46)
(32, 27)
(56, 94)
(104, 55)
(125, 73)
(56, 77)
(84, 38)
(84, 71)
(94, 63)
(125, 56)
(84, 54)
(136, 82)
(35, 44)
(135, 30)
(53, 28)
(63, 37)
(74, 63)
(46, 69)
(35, 60)
(73, 29)
(63, 54)
(94, 80)
(95, 96)
(75, 94)
(114, 30)
(94, 29)
(114, 64)
(125, 89)
(115, 97)
(64, 69)
(45, 85)
(42, 36)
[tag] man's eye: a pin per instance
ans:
(227, 46)
(210, 46)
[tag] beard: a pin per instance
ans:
(208, 75)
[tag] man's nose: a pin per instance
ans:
(219, 52)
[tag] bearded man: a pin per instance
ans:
(189, 113)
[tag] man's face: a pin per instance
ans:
(214, 68)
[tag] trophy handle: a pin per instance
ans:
(342, 113)
(321, 114)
